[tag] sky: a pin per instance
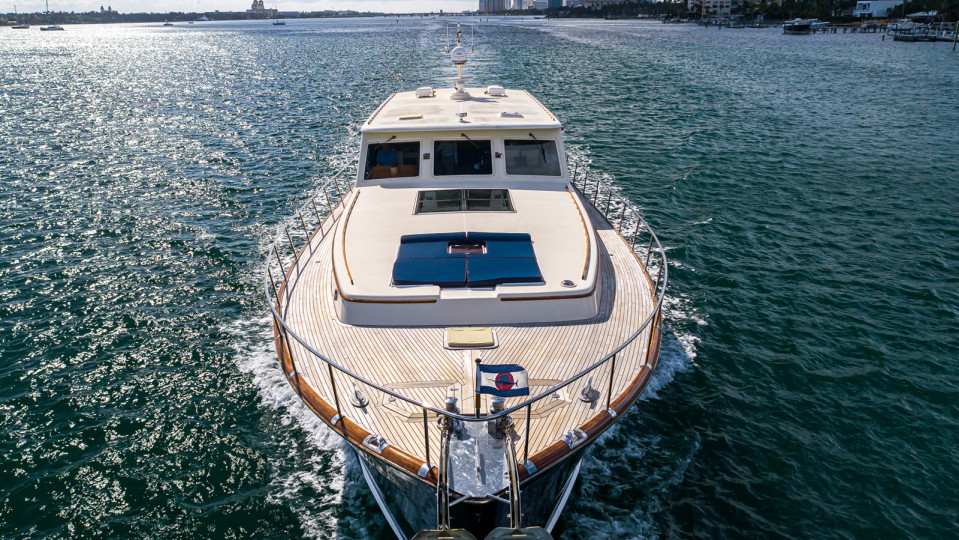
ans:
(163, 6)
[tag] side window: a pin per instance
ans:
(532, 157)
(462, 157)
(392, 160)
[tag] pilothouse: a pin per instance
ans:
(469, 311)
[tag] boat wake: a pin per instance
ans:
(631, 468)
(317, 475)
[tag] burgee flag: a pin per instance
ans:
(506, 380)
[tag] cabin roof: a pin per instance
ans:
(404, 111)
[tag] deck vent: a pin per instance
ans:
(425, 91)
(495, 91)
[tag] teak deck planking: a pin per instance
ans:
(401, 357)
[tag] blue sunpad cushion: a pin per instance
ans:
(491, 271)
(449, 273)
(424, 259)
(428, 246)
(511, 237)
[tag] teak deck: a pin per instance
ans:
(413, 360)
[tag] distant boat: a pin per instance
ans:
(797, 26)
(16, 19)
(276, 18)
(167, 23)
(50, 26)
(204, 19)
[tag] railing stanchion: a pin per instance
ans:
(609, 202)
(612, 370)
(632, 241)
(659, 276)
(305, 230)
(279, 260)
(573, 176)
(336, 398)
(272, 283)
(316, 211)
(285, 338)
(622, 217)
(290, 238)
(529, 409)
(328, 203)
(649, 249)
(426, 438)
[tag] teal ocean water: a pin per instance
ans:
(806, 188)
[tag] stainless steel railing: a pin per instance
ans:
(606, 198)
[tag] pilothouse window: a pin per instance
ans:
(463, 200)
(531, 156)
(392, 160)
(467, 156)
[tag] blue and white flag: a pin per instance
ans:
(506, 380)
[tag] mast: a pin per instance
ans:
(458, 55)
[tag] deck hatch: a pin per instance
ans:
(463, 200)
(458, 260)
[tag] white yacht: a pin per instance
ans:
(469, 309)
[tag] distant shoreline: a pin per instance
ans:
(113, 17)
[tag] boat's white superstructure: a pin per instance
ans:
(467, 242)
(519, 133)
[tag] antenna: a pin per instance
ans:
(458, 55)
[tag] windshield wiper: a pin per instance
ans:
(471, 141)
(377, 147)
(542, 147)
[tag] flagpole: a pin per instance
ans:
(477, 399)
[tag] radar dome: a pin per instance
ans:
(458, 55)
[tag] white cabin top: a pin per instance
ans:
(486, 108)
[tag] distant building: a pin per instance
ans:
(875, 9)
(258, 11)
(712, 8)
(552, 4)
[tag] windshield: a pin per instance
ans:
(532, 157)
(462, 157)
(392, 160)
